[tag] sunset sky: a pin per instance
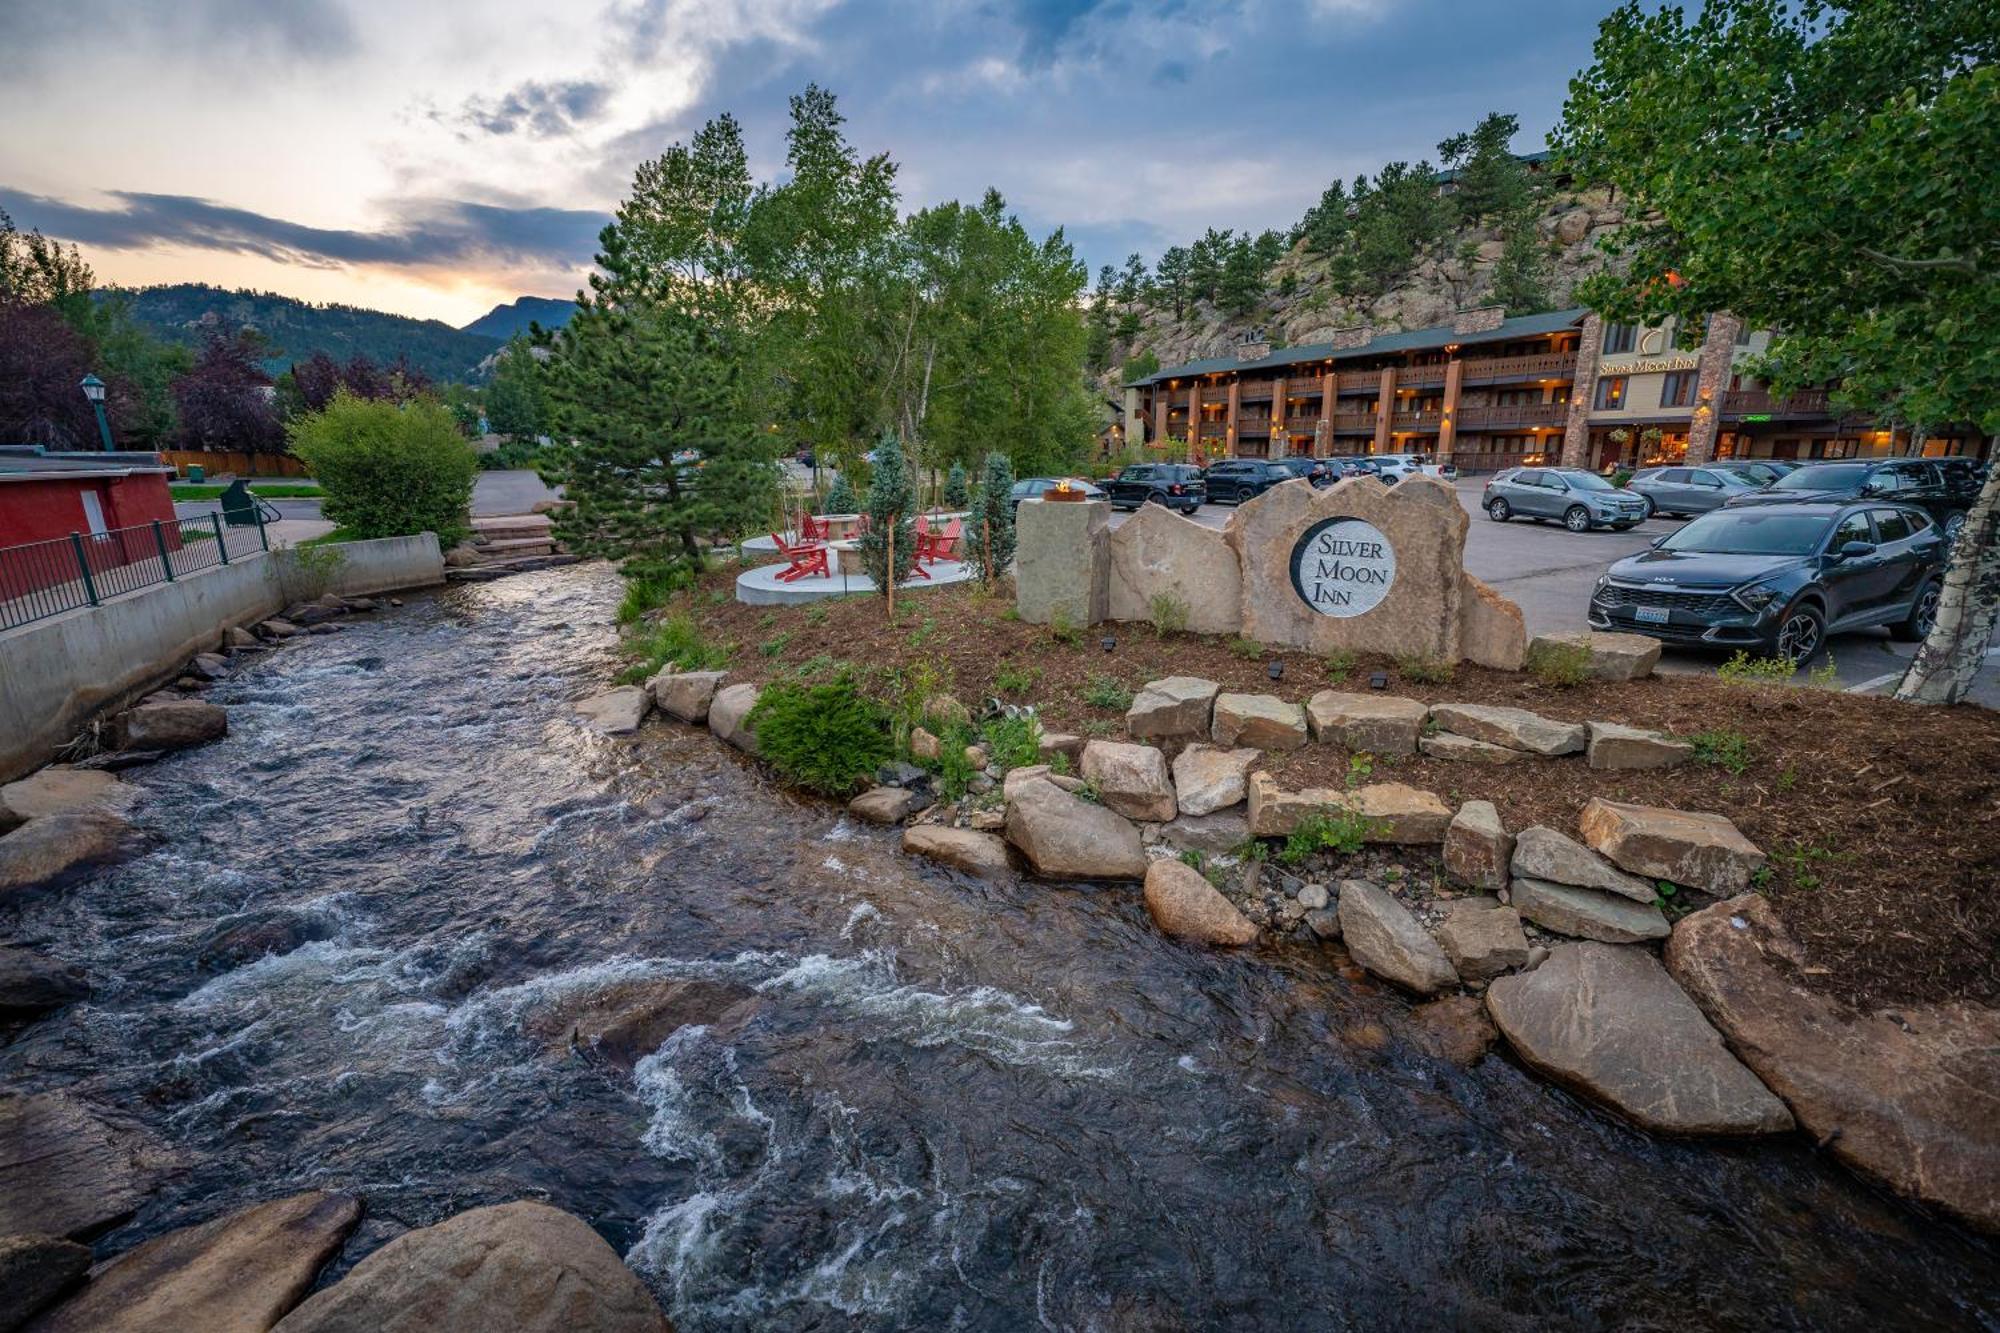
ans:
(434, 159)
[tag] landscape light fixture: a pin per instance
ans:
(93, 389)
(1107, 643)
(1379, 681)
(1276, 671)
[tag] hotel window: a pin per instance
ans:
(1677, 388)
(1619, 338)
(1611, 392)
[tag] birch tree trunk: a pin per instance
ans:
(1944, 669)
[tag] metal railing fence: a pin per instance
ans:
(47, 578)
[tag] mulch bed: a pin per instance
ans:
(1882, 820)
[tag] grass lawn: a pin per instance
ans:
(270, 490)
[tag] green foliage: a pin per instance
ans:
(826, 738)
(1139, 367)
(1788, 778)
(1722, 748)
(1107, 692)
(1825, 676)
(676, 639)
(1247, 649)
(953, 767)
(1170, 614)
(307, 571)
(1560, 665)
(1521, 277)
(1803, 862)
(516, 403)
(1015, 741)
(840, 499)
(1339, 665)
(515, 454)
(1489, 182)
(1424, 670)
(1334, 829)
(1399, 219)
(1065, 630)
(388, 470)
(957, 493)
(989, 527)
(1240, 285)
(775, 645)
(269, 490)
(649, 590)
(892, 507)
(1743, 669)
(1016, 680)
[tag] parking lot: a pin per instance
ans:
(1548, 572)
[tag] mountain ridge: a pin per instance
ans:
(509, 318)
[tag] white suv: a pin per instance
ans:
(1395, 467)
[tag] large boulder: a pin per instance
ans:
(1131, 780)
(1610, 1023)
(1185, 905)
(1158, 553)
(1275, 812)
(43, 851)
(523, 1267)
(1491, 629)
(1545, 854)
(1910, 1097)
(1400, 813)
(1702, 851)
(1174, 709)
(170, 724)
(1262, 721)
(1613, 746)
(616, 712)
(1586, 913)
(729, 716)
(1451, 746)
(626, 1021)
(34, 1270)
(1208, 778)
(1017, 780)
(1386, 939)
(686, 694)
(31, 985)
(241, 1271)
(69, 1171)
(1066, 837)
(1612, 656)
(1212, 835)
(883, 805)
(1515, 728)
(1483, 938)
(1477, 846)
(56, 789)
(1384, 724)
(976, 853)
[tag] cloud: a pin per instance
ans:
(428, 233)
(41, 34)
(539, 109)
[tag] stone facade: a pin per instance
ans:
(1718, 351)
(1582, 391)
(1061, 565)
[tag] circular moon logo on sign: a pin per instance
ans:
(1343, 567)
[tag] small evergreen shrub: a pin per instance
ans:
(841, 499)
(892, 507)
(1339, 665)
(388, 469)
(1107, 692)
(1725, 749)
(826, 738)
(1170, 614)
(1425, 670)
(991, 519)
(957, 493)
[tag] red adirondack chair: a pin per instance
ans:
(938, 545)
(814, 529)
(807, 559)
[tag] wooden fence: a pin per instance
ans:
(220, 461)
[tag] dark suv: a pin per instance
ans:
(1944, 488)
(1777, 579)
(1175, 485)
(1234, 480)
(1314, 470)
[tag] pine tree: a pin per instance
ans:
(1241, 285)
(892, 505)
(841, 499)
(992, 520)
(1174, 281)
(1521, 277)
(956, 495)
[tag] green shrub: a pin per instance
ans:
(1016, 742)
(1170, 614)
(1016, 679)
(1724, 749)
(1339, 665)
(1743, 669)
(1425, 670)
(1247, 649)
(825, 738)
(305, 573)
(953, 769)
(991, 521)
(648, 587)
(678, 640)
(1065, 630)
(1560, 665)
(1107, 692)
(1334, 829)
(388, 469)
(841, 499)
(957, 495)
(1622, 478)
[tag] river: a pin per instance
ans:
(956, 1105)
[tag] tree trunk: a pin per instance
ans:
(1945, 668)
(889, 570)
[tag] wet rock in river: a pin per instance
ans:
(974, 852)
(616, 712)
(686, 694)
(883, 805)
(241, 1271)
(69, 1170)
(1386, 939)
(34, 1270)
(729, 716)
(244, 940)
(171, 724)
(31, 985)
(1456, 1028)
(1482, 938)
(627, 1021)
(1187, 906)
(57, 788)
(43, 851)
(522, 1267)
(1066, 837)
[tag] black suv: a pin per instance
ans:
(1777, 579)
(1234, 480)
(1944, 488)
(1175, 485)
(1314, 470)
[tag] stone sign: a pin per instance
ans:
(1343, 566)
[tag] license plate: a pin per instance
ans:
(1650, 615)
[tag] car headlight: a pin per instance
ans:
(1755, 596)
(1597, 588)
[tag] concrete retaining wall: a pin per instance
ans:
(56, 674)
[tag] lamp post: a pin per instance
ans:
(93, 389)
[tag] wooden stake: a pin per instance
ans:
(986, 550)
(889, 572)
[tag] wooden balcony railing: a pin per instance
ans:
(1512, 417)
(1417, 377)
(1414, 421)
(1549, 365)
(1358, 381)
(1354, 422)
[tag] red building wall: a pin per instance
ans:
(42, 510)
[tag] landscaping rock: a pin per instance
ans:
(686, 694)
(55, 789)
(208, 666)
(1018, 778)
(1477, 847)
(31, 985)
(1275, 812)
(34, 1270)
(277, 628)
(1586, 913)
(924, 746)
(1174, 709)
(1612, 656)
(729, 716)
(237, 637)
(1066, 837)
(1324, 923)
(1618, 747)
(242, 1271)
(1052, 743)
(616, 712)
(1208, 778)
(522, 1267)
(171, 724)
(1312, 897)
(974, 852)
(1456, 1028)
(1386, 939)
(45, 850)
(947, 711)
(1187, 906)
(69, 1171)
(1375, 723)
(1544, 854)
(1482, 938)
(975, 758)
(1703, 851)
(1262, 721)
(1910, 1097)
(1213, 835)
(328, 628)
(1491, 629)
(883, 805)
(1515, 728)
(1610, 1023)
(1465, 750)
(1401, 813)
(1156, 551)
(627, 1021)
(1131, 779)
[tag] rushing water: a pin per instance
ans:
(952, 1105)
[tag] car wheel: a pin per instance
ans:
(1499, 511)
(1652, 510)
(1952, 527)
(1801, 635)
(1916, 627)
(1621, 527)
(1576, 518)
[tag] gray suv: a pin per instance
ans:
(1685, 491)
(1581, 500)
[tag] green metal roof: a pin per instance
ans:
(1415, 340)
